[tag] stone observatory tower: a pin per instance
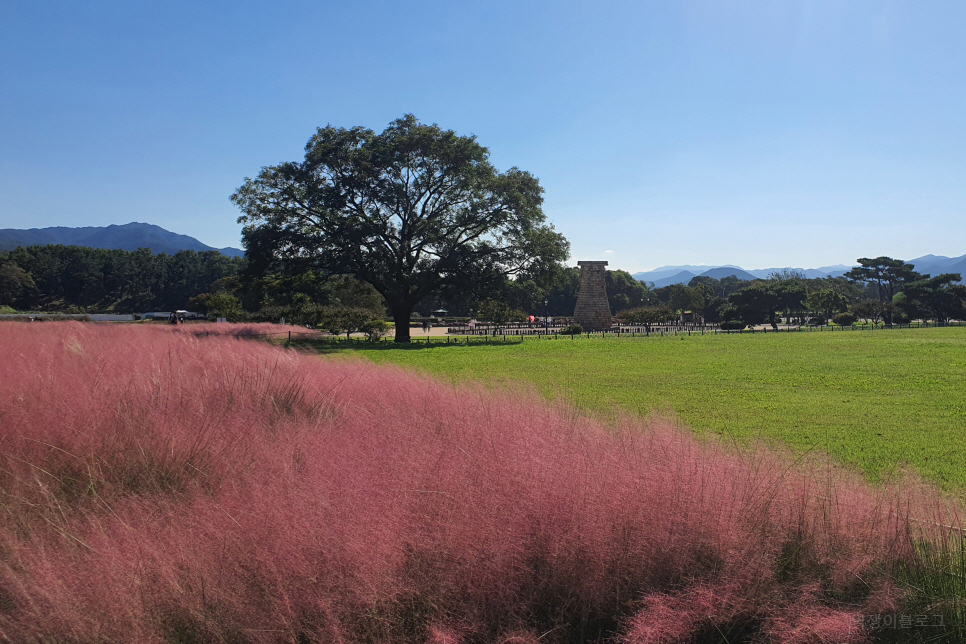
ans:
(593, 309)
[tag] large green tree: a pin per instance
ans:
(410, 210)
(714, 293)
(15, 283)
(756, 304)
(871, 310)
(682, 298)
(938, 298)
(791, 293)
(625, 292)
(887, 274)
(826, 302)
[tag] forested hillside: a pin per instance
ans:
(64, 278)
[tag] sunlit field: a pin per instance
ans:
(163, 486)
(877, 401)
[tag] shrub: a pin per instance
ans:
(224, 305)
(844, 319)
(572, 329)
(375, 330)
(342, 319)
(732, 325)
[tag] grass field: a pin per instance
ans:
(875, 400)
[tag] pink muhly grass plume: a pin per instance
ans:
(247, 330)
(160, 486)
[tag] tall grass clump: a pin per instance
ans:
(157, 486)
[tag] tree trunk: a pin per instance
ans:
(400, 315)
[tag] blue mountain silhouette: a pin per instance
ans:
(116, 237)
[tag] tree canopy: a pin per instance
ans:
(625, 292)
(410, 210)
(554, 292)
(647, 315)
(15, 283)
(886, 273)
(94, 280)
(939, 298)
(756, 304)
(827, 302)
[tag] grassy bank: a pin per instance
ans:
(874, 400)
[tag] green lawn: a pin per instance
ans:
(875, 400)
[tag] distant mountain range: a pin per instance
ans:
(137, 235)
(125, 237)
(667, 275)
(936, 265)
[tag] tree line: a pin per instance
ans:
(77, 279)
(87, 280)
(880, 289)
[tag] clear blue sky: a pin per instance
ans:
(753, 133)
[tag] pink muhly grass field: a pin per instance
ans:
(247, 330)
(158, 486)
